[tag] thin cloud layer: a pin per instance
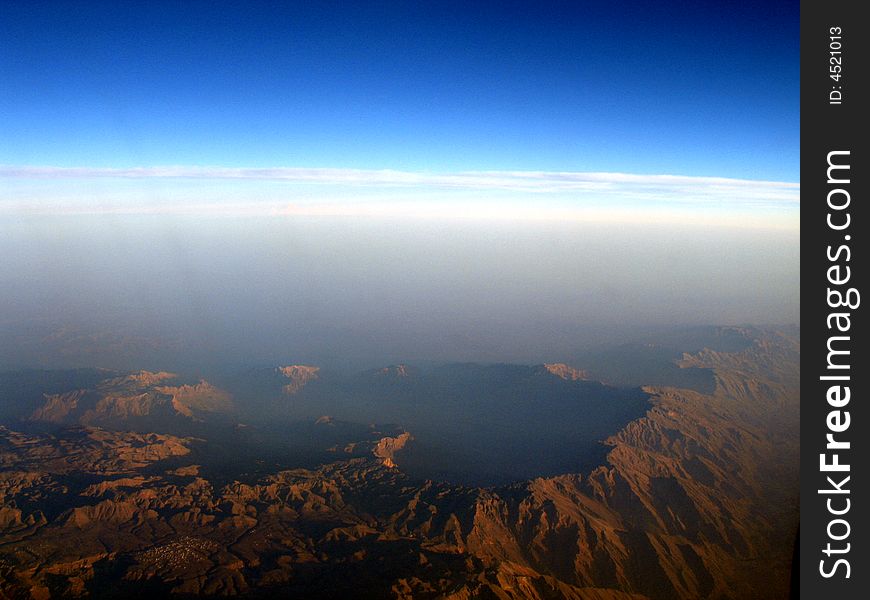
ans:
(544, 181)
(330, 191)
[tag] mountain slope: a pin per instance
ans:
(133, 401)
(698, 498)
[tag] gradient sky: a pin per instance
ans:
(690, 88)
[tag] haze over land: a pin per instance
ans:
(385, 182)
(378, 183)
(162, 292)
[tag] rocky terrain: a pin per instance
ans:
(695, 498)
(134, 400)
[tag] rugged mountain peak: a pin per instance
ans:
(387, 448)
(140, 379)
(201, 397)
(137, 395)
(57, 406)
(299, 376)
(400, 370)
(565, 372)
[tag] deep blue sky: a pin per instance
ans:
(694, 88)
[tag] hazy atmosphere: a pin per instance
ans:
(124, 291)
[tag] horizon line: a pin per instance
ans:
(336, 175)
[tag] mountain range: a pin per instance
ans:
(458, 481)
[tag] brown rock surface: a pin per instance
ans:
(299, 376)
(119, 401)
(565, 372)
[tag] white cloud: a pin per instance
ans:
(330, 191)
(511, 180)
